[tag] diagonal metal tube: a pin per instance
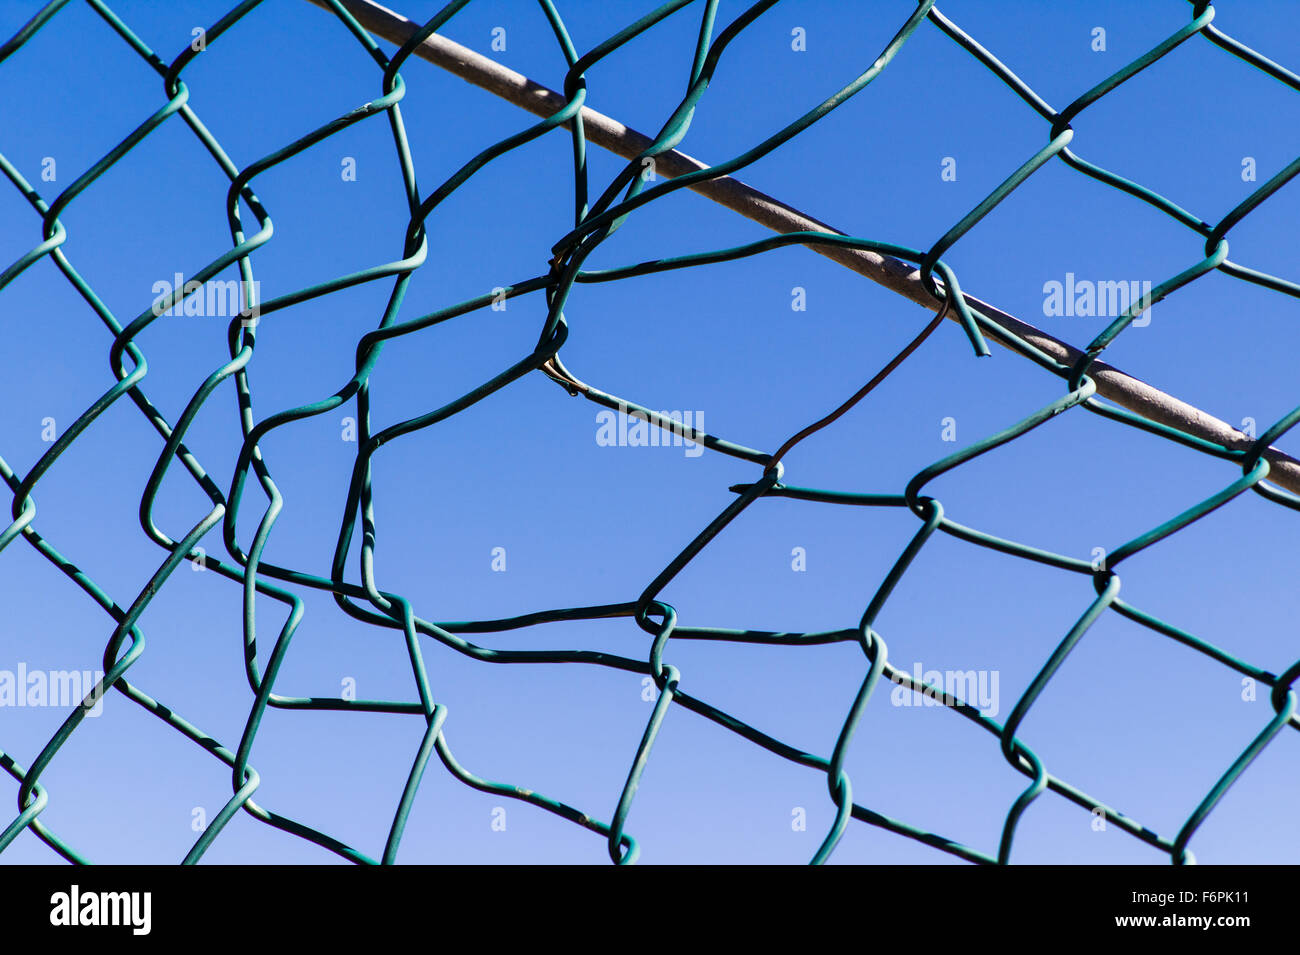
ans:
(1115, 385)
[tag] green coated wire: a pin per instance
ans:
(594, 221)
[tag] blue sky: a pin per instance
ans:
(1136, 720)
